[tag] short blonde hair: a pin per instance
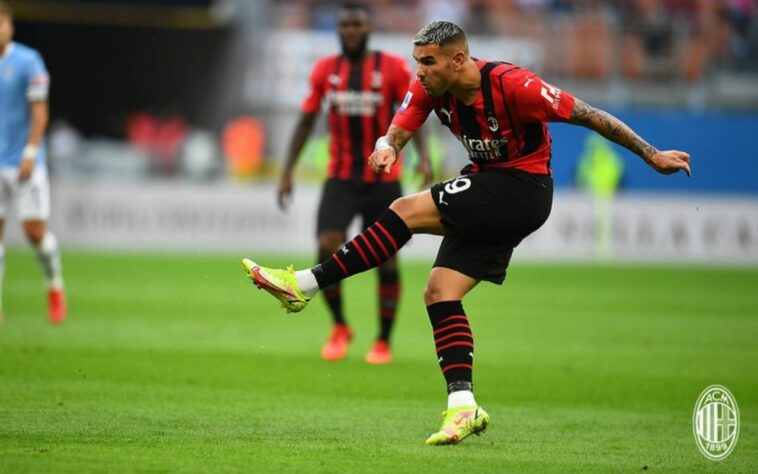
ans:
(440, 33)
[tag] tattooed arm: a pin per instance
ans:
(664, 162)
(387, 149)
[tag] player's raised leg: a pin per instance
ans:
(372, 247)
(454, 343)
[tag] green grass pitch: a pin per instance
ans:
(177, 364)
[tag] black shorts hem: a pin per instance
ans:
(498, 280)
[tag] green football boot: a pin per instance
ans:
(457, 423)
(281, 284)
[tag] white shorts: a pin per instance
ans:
(30, 198)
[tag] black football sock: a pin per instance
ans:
(367, 250)
(454, 343)
(389, 293)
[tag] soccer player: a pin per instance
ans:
(24, 84)
(499, 112)
(360, 88)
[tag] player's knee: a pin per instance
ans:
(34, 232)
(402, 206)
(407, 209)
(433, 294)
(418, 212)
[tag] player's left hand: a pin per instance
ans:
(424, 169)
(25, 170)
(670, 161)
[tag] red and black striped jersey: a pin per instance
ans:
(505, 126)
(361, 102)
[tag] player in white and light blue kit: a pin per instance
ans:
(24, 186)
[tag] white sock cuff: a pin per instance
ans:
(461, 398)
(307, 283)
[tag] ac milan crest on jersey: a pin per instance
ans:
(493, 123)
(376, 79)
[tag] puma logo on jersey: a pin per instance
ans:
(344, 249)
(528, 81)
(442, 193)
(447, 113)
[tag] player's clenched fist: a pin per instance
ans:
(382, 160)
(383, 157)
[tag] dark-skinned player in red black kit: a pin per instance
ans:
(360, 88)
(499, 112)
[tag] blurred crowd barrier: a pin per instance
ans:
(176, 216)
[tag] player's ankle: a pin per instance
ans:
(460, 394)
(306, 282)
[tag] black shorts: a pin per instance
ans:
(342, 200)
(486, 215)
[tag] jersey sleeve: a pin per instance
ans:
(415, 108)
(539, 101)
(37, 79)
(312, 102)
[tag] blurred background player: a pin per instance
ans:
(24, 84)
(360, 88)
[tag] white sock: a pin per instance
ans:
(461, 398)
(49, 257)
(307, 283)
